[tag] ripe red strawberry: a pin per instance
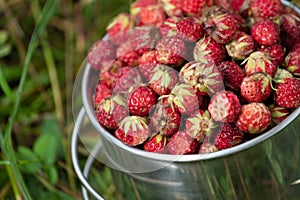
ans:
(125, 78)
(222, 27)
(118, 28)
(184, 98)
(102, 91)
(147, 70)
(275, 52)
(292, 61)
(206, 79)
(241, 7)
(180, 144)
(278, 113)
(199, 125)
(256, 87)
(259, 62)
(163, 79)
(141, 100)
(265, 32)
(108, 72)
(156, 144)
(265, 9)
(165, 120)
(133, 130)
(287, 92)
(290, 25)
(168, 28)
(147, 58)
(152, 15)
(126, 54)
(224, 106)
(170, 51)
(194, 7)
(189, 29)
(207, 50)
(228, 137)
(172, 7)
(254, 118)
(101, 51)
(233, 75)
(241, 46)
(110, 111)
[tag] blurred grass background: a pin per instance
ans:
(36, 83)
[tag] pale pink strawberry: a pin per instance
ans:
(147, 70)
(180, 144)
(126, 77)
(228, 137)
(207, 147)
(224, 106)
(290, 26)
(172, 7)
(156, 144)
(254, 118)
(189, 29)
(168, 27)
(265, 33)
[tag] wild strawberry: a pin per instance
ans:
(184, 98)
(110, 111)
(199, 125)
(165, 120)
(100, 52)
(127, 54)
(208, 50)
(265, 9)
(137, 7)
(195, 7)
(125, 78)
(278, 113)
(141, 100)
(206, 79)
(189, 29)
(275, 52)
(168, 28)
(233, 75)
(207, 147)
(228, 137)
(147, 58)
(170, 51)
(256, 87)
(180, 143)
(224, 106)
(254, 118)
(152, 15)
(292, 62)
(221, 27)
(241, 46)
(172, 7)
(287, 92)
(163, 79)
(241, 7)
(265, 32)
(102, 91)
(147, 70)
(109, 71)
(290, 26)
(222, 3)
(259, 62)
(156, 144)
(118, 28)
(133, 130)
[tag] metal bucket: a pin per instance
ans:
(262, 168)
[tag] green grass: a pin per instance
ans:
(42, 46)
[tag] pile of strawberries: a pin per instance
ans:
(197, 76)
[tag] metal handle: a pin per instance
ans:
(83, 176)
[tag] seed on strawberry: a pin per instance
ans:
(259, 61)
(152, 15)
(241, 46)
(195, 7)
(102, 91)
(275, 52)
(156, 144)
(118, 28)
(141, 100)
(292, 62)
(206, 79)
(287, 92)
(199, 125)
(126, 54)
(148, 58)
(168, 28)
(208, 50)
(256, 87)
(241, 7)
(102, 51)
(228, 137)
(147, 70)
(172, 7)
(224, 106)
(233, 75)
(265, 9)
(170, 51)
(189, 29)
(110, 111)
(278, 113)
(109, 71)
(133, 130)
(164, 119)
(125, 78)
(180, 144)
(163, 79)
(254, 118)
(265, 32)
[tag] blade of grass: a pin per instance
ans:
(5, 87)
(47, 13)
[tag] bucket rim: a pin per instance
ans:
(168, 157)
